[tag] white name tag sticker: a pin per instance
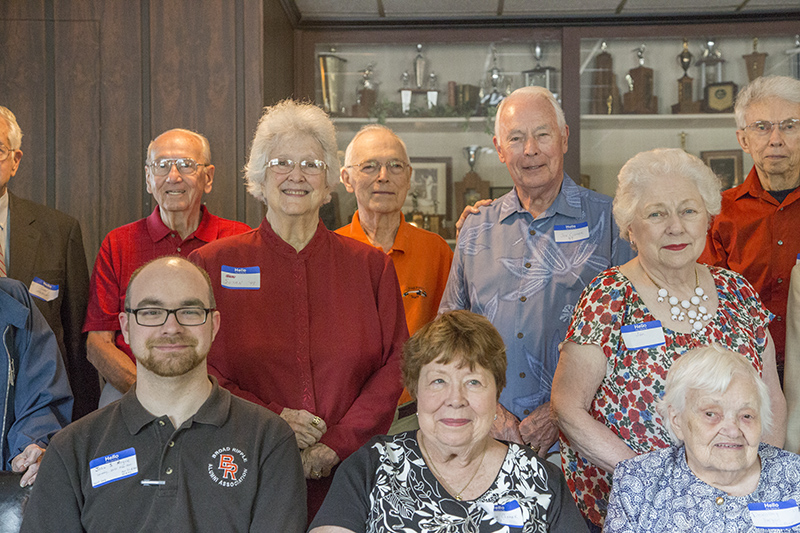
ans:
(571, 232)
(43, 290)
(113, 467)
(507, 514)
(796, 261)
(774, 515)
(241, 278)
(644, 335)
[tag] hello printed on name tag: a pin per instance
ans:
(644, 335)
(774, 515)
(240, 278)
(113, 467)
(43, 290)
(571, 232)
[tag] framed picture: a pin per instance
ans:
(497, 192)
(432, 184)
(727, 164)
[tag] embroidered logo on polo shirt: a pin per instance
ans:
(228, 467)
(415, 292)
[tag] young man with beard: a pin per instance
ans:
(177, 452)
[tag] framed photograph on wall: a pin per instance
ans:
(727, 164)
(432, 183)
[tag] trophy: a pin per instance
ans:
(794, 59)
(494, 79)
(419, 68)
(686, 103)
(541, 76)
(433, 91)
(640, 98)
(605, 93)
(718, 95)
(332, 78)
(755, 62)
(366, 92)
(472, 188)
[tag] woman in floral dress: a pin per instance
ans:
(633, 321)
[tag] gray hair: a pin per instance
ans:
(764, 88)
(14, 131)
(202, 138)
(645, 167)
(532, 92)
(709, 369)
(368, 128)
(289, 118)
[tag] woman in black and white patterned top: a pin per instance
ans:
(451, 475)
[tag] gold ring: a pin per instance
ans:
(315, 421)
(536, 449)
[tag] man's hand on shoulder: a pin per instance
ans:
(470, 210)
(28, 461)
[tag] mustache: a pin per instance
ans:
(172, 339)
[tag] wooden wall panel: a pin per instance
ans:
(23, 91)
(77, 126)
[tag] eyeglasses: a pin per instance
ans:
(311, 167)
(4, 153)
(185, 165)
(371, 168)
(157, 316)
(790, 126)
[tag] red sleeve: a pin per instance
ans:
(104, 292)
(373, 410)
(714, 253)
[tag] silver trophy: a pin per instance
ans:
(472, 152)
(541, 76)
(710, 64)
(420, 64)
(332, 77)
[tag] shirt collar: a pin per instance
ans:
(214, 410)
(4, 211)
(401, 240)
(752, 186)
(567, 203)
(205, 232)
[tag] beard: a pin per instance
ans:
(175, 363)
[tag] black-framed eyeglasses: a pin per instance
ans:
(185, 165)
(157, 316)
(311, 167)
(790, 126)
(372, 167)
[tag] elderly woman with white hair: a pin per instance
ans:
(633, 321)
(718, 476)
(313, 323)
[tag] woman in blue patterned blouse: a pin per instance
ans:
(720, 477)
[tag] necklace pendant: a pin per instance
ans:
(458, 497)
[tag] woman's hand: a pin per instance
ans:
(506, 426)
(470, 210)
(538, 430)
(580, 371)
(318, 460)
(28, 461)
(308, 428)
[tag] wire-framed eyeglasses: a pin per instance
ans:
(185, 165)
(372, 167)
(311, 167)
(790, 126)
(157, 316)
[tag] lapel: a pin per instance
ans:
(24, 238)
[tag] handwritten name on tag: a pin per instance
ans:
(113, 467)
(775, 515)
(571, 232)
(241, 278)
(643, 335)
(43, 290)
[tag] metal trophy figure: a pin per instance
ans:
(540, 76)
(640, 98)
(686, 103)
(493, 82)
(755, 62)
(794, 58)
(710, 64)
(420, 64)
(719, 95)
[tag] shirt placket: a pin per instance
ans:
(302, 339)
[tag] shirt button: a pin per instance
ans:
(179, 248)
(780, 280)
(720, 500)
(527, 265)
(161, 423)
(526, 411)
(171, 443)
(172, 235)
(522, 299)
(532, 232)
(168, 470)
(522, 374)
(780, 243)
(778, 318)
(520, 335)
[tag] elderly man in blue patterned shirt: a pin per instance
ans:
(523, 261)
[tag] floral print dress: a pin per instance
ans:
(634, 381)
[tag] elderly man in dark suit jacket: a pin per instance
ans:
(43, 248)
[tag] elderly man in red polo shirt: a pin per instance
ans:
(178, 172)
(756, 234)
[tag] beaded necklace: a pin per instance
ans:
(683, 309)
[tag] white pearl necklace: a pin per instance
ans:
(683, 309)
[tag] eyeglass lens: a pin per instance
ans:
(789, 126)
(374, 167)
(155, 316)
(307, 166)
(185, 166)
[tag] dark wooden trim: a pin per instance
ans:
(290, 8)
(571, 99)
(147, 118)
(50, 102)
(240, 92)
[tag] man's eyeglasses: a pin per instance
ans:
(790, 126)
(185, 165)
(4, 153)
(372, 168)
(310, 167)
(157, 316)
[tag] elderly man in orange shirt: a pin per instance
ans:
(378, 171)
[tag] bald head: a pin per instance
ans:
(169, 269)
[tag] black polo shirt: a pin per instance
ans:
(233, 466)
